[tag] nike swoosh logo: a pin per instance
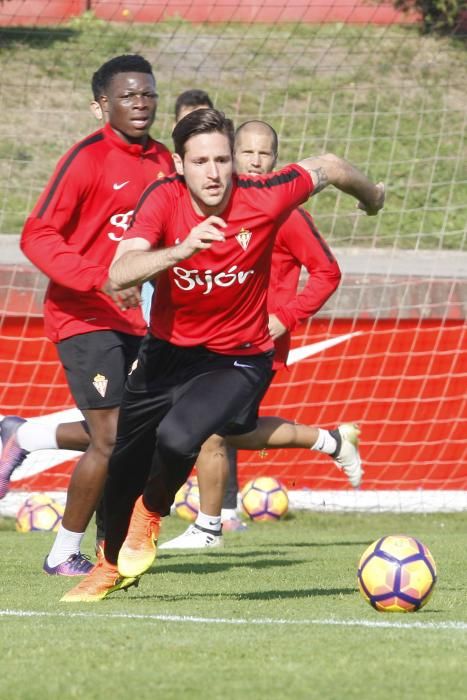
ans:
(305, 351)
(239, 364)
(119, 185)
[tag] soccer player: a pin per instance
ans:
(20, 436)
(190, 100)
(207, 236)
(297, 244)
(72, 235)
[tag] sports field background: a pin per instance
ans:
(390, 100)
(277, 612)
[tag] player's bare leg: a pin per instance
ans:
(212, 468)
(84, 492)
(213, 471)
(275, 432)
(72, 436)
(271, 432)
(20, 437)
(88, 478)
(340, 444)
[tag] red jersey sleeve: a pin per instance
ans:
(43, 239)
(278, 193)
(152, 210)
(299, 238)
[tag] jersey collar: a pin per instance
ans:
(135, 149)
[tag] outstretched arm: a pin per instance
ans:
(329, 169)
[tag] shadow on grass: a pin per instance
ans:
(254, 595)
(212, 567)
(244, 552)
(300, 593)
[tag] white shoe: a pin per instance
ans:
(347, 456)
(195, 538)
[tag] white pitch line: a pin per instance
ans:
(441, 625)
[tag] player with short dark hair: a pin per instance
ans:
(126, 63)
(207, 236)
(72, 235)
(189, 100)
(206, 122)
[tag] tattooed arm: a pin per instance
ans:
(332, 170)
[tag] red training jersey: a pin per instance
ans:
(75, 227)
(298, 243)
(217, 298)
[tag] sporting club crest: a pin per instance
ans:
(244, 237)
(100, 384)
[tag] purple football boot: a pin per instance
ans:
(12, 454)
(76, 565)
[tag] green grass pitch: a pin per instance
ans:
(275, 613)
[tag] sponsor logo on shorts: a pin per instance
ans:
(133, 367)
(239, 364)
(100, 384)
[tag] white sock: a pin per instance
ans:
(210, 522)
(66, 543)
(37, 436)
(228, 514)
(325, 442)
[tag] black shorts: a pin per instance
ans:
(166, 373)
(246, 420)
(96, 366)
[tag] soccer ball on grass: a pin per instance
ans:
(186, 500)
(397, 573)
(264, 498)
(39, 512)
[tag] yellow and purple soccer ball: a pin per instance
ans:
(39, 513)
(397, 573)
(264, 498)
(187, 500)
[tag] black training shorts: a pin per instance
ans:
(96, 366)
(246, 421)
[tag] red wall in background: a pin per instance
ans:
(34, 12)
(402, 381)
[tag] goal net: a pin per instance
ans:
(358, 79)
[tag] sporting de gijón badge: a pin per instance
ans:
(100, 384)
(244, 238)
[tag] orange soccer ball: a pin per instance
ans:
(264, 498)
(397, 573)
(187, 500)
